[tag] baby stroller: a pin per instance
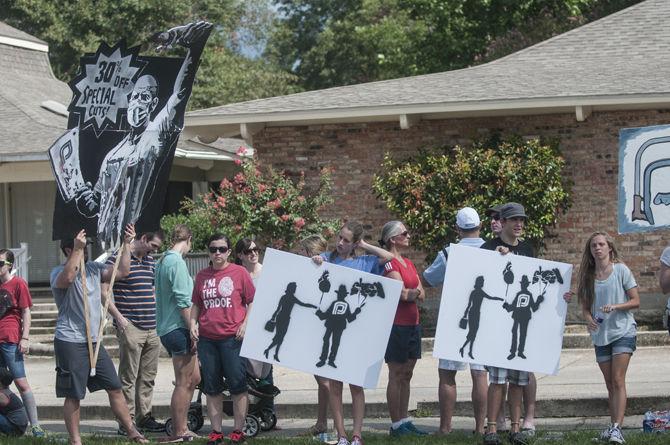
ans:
(260, 416)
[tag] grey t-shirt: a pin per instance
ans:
(665, 256)
(71, 324)
(612, 290)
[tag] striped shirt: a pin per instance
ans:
(134, 296)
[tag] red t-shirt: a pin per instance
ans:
(222, 296)
(10, 323)
(407, 313)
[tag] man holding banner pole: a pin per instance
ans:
(77, 329)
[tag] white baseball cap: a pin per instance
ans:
(467, 218)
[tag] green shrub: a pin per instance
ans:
(427, 190)
(268, 206)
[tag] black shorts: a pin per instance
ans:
(73, 368)
(404, 344)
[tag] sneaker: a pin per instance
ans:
(237, 436)
(492, 439)
(402, 430)
(615, 435)
(518, 438)
(150, 424)
(121, 431)
(37, 431)
(215, 438)
(529, 432)
(414, 430)
(356, 440)
(605, 434)
(343, 441)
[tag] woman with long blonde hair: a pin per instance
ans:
(607, 294)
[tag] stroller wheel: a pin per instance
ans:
(268, 419)
(251, 426)
(169, 427)
(195, 421)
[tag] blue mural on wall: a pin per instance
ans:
(644, 179)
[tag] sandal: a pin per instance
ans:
(313, 431)
(139, 438)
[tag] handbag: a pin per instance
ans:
(463, 324)
(270, 325)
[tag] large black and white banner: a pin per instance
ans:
(126, 114)
(326, 320)
(502, 310)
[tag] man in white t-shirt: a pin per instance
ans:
(468, 225)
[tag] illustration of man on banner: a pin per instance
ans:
(127, 170)
(128, 174)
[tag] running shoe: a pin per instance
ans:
(616, 436)
(37, 431)
(402, 430)
(356, 440)
(237, 436)
(605, 434)
(492, 439)
(343, 441)
(414, 430)
(215, 438)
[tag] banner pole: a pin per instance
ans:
(108, 297)
(87, 318)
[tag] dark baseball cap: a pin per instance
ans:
(512, 210)
(492, 210)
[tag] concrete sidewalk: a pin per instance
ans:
(577, 391)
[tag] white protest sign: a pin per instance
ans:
(502, 310)
(326, 320)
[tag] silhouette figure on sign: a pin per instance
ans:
(472, 313)
(324, 285)
(337, 316)
(508, 276)
(282, 318)
(522, 308)
(547, 277)
(366, 290)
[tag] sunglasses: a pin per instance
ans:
(7, 263)
(222, 249)
(405, 233)
(252, 250)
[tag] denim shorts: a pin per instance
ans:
(624, 345)
(500, 376)
(404, 344)
(12, 359)
(454, 365)
(177, 342)
(219, 360)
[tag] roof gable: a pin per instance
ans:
(623, 55)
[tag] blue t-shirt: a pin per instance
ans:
(434, 275)
(71, 322)
(365, 263)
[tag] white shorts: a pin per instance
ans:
(453, 365)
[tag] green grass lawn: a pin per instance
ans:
(578, 438)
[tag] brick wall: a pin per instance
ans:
(355, 152)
